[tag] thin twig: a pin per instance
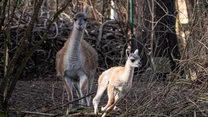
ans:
(38, 113)
(71, 102)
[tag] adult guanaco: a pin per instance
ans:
(77, 61)
(118, 81)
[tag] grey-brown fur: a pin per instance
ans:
(77, 61)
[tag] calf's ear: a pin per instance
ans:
(127, 52)
(136, 51)
(72, 11)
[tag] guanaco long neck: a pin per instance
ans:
(74, 47)
(128, 73)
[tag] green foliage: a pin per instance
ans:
(3, 114)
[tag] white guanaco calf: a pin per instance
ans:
(77, 61)
(118, 80)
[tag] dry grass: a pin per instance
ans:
(149, 96)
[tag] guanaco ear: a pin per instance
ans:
(86, 9)
(127, 52)
(136, 51)
(72, 11)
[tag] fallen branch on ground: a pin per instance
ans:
(71, 102)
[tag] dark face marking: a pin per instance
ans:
(134, 57)
(132, 60)
(80, 16)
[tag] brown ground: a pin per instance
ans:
(147, 97)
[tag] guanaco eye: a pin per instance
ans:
(132, 60)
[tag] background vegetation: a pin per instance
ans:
(32, 31)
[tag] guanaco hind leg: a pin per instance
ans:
(89, 89)
(102, 85)
(97, 97)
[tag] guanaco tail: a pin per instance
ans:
(118, 81)
(77, 61)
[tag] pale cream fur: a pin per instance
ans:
(118, 81)
(77, 69)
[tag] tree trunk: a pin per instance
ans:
(165, 42)
(13, 73)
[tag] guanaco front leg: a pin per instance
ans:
(118, 96)
(68, 85)
(80, 86)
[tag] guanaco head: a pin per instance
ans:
(80, 19)
(133, 58)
